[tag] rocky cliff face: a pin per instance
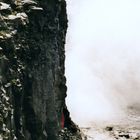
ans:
(32, 81)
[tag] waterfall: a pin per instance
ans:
(102, 59)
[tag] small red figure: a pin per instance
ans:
(62, 121)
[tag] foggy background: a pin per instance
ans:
(102, 59)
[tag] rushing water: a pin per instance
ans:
(102, 64)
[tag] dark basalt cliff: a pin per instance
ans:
(32, 81)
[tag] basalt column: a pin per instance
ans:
(32, 81)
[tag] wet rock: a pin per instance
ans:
(124, 135)
(1, 49)
(28, 2)
(138, 138)
(5, 35)
(65, 134)
(12, 17)
(4, 7)
(109, 128)
(34, 8)
(1, 37)
(19, 18)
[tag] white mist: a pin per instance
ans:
(102, 59)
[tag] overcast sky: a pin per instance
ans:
(102, 57)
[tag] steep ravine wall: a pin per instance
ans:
(32, 81)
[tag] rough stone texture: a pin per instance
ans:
(32, 81)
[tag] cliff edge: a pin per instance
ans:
(32, 81)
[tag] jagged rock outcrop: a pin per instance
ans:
(32, 81)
